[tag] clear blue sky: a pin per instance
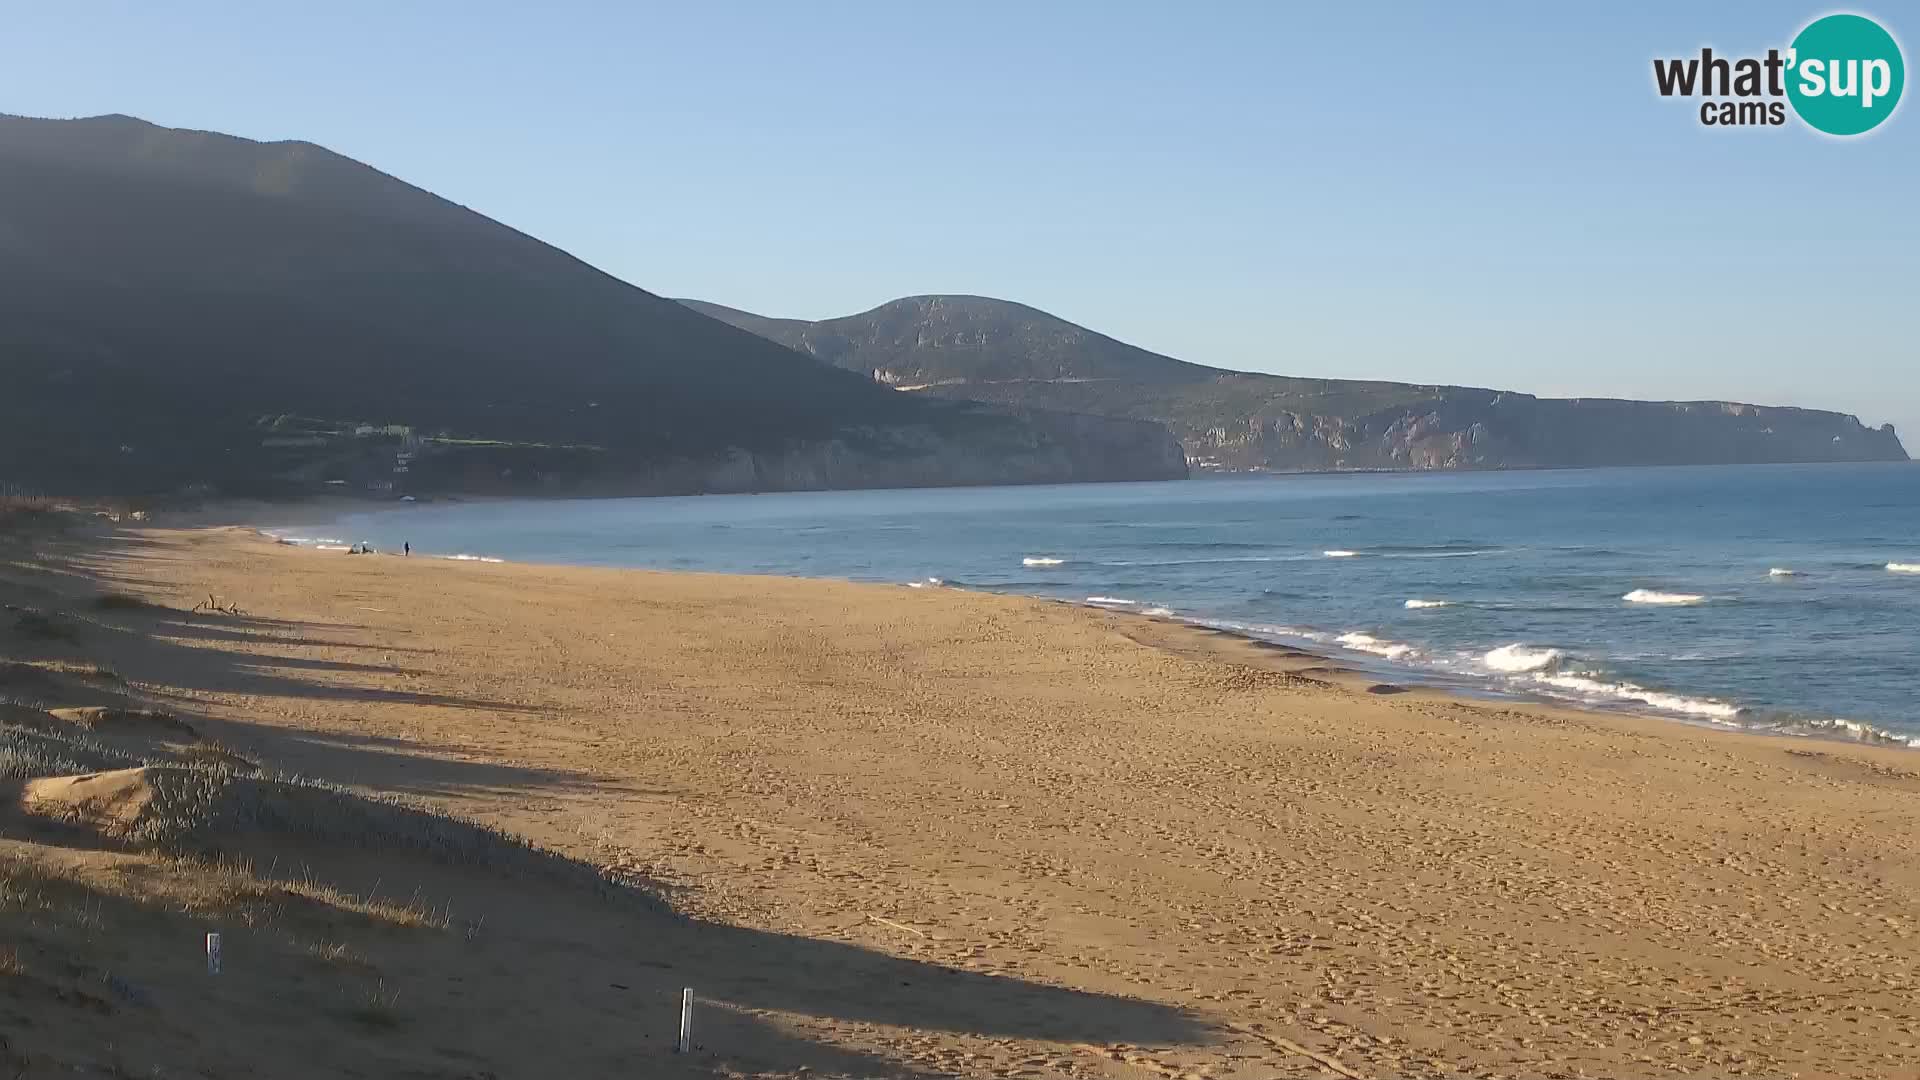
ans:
(1482, 194)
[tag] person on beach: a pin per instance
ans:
(406, 549)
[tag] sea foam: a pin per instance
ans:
(1903, 568)
(1415, 605)
(1367, 643)
(1113, 600)
(1518, 657)
(1041, 560)
(1654, 596)
(1781, 571)
(1339, 554)
(1600, 691)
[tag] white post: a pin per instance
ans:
(686, 1020)
(213, 954)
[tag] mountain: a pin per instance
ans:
(934, 339)
(980, 349)
(190, 310)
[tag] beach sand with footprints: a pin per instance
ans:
(922, 832)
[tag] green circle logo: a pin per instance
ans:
(1845, 74)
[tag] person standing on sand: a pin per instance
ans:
(406, 548)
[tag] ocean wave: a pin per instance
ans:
(1416, 605)
(1855, 730)
(1446, 549)
(1158, 611)
(1263, 630)
(1903, 568)
(333, 547)
(1367, 643)
(1781, 571)
(1205, 562)
(1041, 560)
(1655, 596)
(1111, 600)
(1438, 552)
(1519, 657)
(1208, 545)
(932, 582)
(473, 558)
(1600, 691)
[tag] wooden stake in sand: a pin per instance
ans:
(213, 954)
(686, 1020)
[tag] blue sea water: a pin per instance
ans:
(1780, 598)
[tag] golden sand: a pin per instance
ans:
(995, 836)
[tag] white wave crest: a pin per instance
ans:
(1781, 571)
(1903, 568)
(1159, 611)
(926, 583)
(1263, 630)
(1859, 732)
(1655, 596)
(1518, 657)
(1367, 643)
(1114, 600)
(1041, 560)
(1598, 691)
(1415, 605)
(1337, 553)
(472, 558)
(332, 547)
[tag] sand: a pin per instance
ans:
(926, 832)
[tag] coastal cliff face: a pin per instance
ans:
(1049, 448)
(979, 349)
(1484, 429)
(1052, 448)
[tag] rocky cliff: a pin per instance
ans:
(980, 349)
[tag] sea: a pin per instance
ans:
(1777, 598)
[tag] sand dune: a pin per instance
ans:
(928, 832)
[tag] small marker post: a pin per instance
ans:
(686, 1020)
(213, 954)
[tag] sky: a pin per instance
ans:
(1482, 194)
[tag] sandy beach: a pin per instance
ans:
(927, 832)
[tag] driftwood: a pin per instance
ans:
(210, 604)
(897, 925)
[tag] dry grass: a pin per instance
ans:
(26, 753)
(377, 1011)
(339, 954)
(40, 670)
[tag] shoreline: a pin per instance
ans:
(1379, 668)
